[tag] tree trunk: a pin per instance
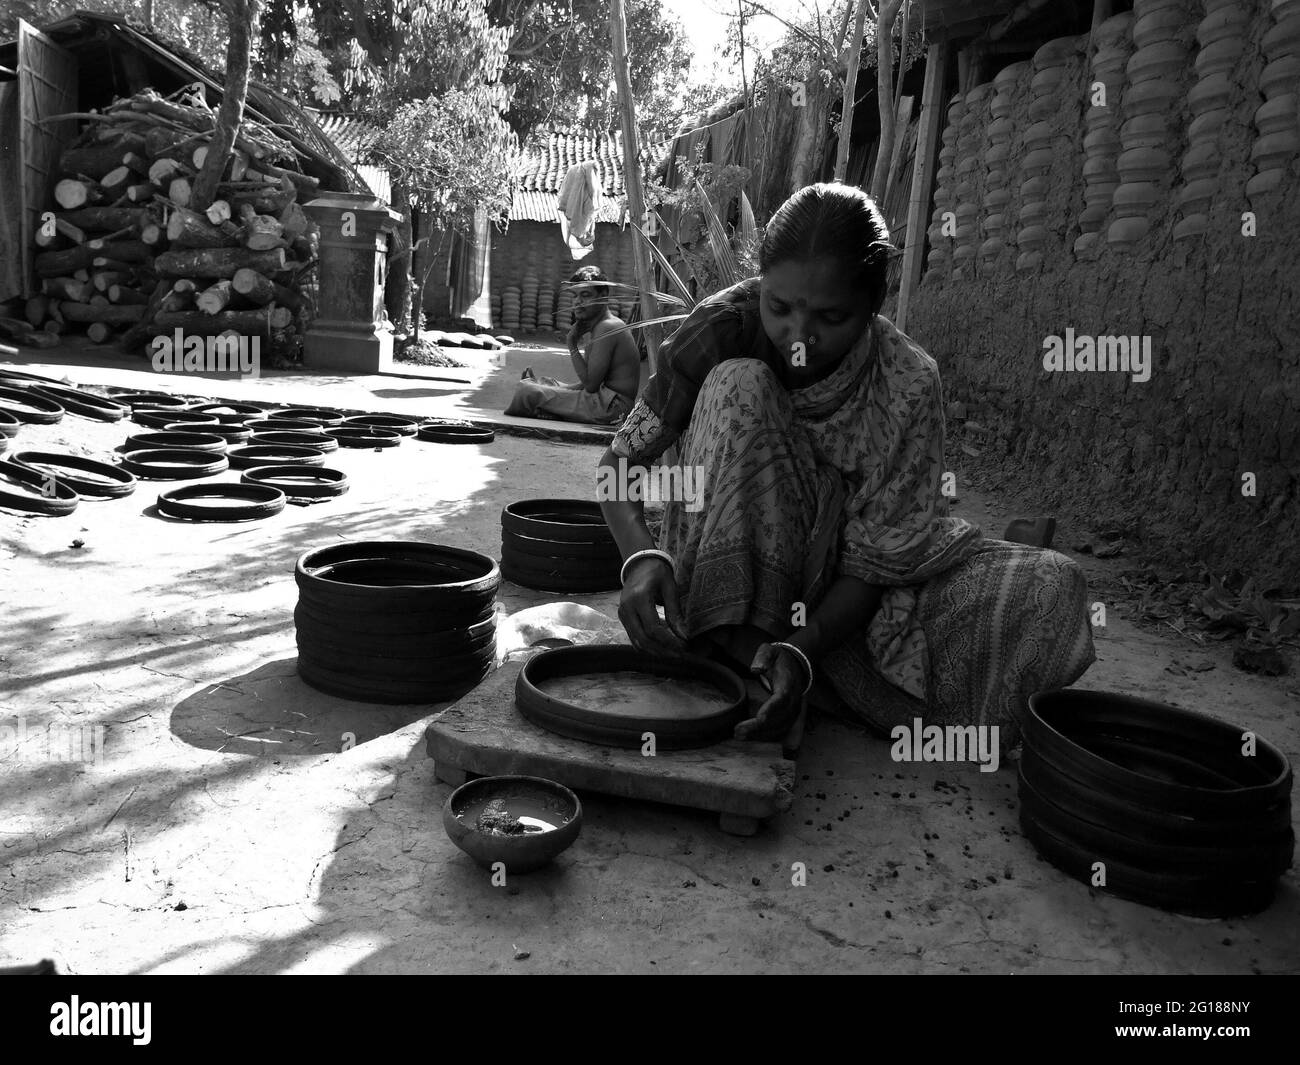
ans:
(850, 93)
(244, 18)
(397, 291)
(885, 95)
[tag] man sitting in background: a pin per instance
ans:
(608, 376)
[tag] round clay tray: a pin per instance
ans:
(676, 725)
(538, 819)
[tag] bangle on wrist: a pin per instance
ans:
(803, 658)
(649, 552)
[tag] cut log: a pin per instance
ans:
(261, 232)
(260, 322)
(94, 162)
(82, 274)
(126, 294)
(219, 212)
(99, 332)
(214, 299)
(134, 337)
(142, 193)
(78, 192)
(136, 162)
(161, 171)
(111, 218)
(309, 186)
(103, 280)
(188, 229)
(99, 300)
(61, 263)
(215, 263)
(175, 301)
(199, 156)
(63, 233)
(267, 201)
(104, 262)
(115, 182)
(238, 165)
(184, 284)
(113, 314)
(261, 290)
(54, 327)
(36, 309)
(152, 234)
(126, 251)
(179, 191)
(294, 221)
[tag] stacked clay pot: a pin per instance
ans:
(1222, 39)
(1049, 64)
(510, 309)
(395, 621)
(564, 310)
(939, 263)
(969, 169)
(528, 304)
(1157, 72)
(997, 159)
(1276, 118)
(1101, 143)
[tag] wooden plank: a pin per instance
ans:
(47, 85)
(927, 147)
(484, 733)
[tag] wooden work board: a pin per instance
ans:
(484, 734)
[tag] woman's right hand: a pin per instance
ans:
(651, 582)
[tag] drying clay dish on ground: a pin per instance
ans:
(614, 695)
(522, 822)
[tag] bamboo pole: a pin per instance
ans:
(632, 175)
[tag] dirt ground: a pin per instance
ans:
(225, 829)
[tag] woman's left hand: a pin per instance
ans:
(785, 679)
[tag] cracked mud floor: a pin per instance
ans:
(224, 828)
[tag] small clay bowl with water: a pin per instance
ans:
(522, 822)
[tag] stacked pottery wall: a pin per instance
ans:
(1146, 186)
(530, 261)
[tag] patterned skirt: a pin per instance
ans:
(968, 646)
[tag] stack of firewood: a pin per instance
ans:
(125, 256)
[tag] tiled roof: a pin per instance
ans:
(353, 136)
(549, 155)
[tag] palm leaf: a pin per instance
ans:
(627, 327)
(748, 225)
(723, 254)
(687, 299)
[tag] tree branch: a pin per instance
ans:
(827, 52)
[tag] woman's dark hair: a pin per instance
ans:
(831, 221)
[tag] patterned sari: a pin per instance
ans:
(843, 478)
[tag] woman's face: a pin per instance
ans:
(809, 309)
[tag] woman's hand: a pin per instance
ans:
(783, 675)
(651, 582)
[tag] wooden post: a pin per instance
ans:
(632, 176)
(927, 146)
(885, 93)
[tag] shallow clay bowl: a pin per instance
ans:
(525, 796)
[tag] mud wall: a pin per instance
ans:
(1147, 187)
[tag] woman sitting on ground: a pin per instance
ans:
(824, 551)
(609, 375)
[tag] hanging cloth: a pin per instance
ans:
(577, 208)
